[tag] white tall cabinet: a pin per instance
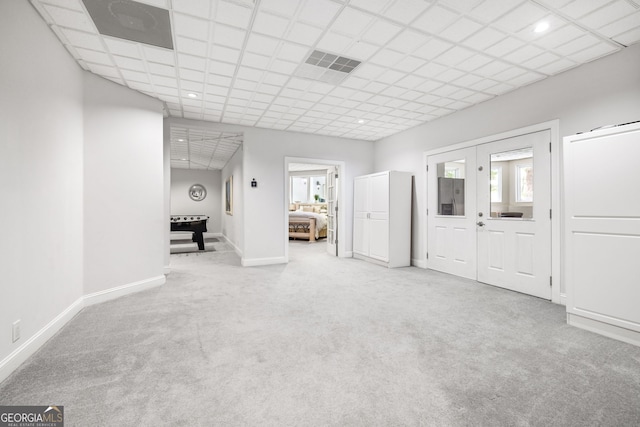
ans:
(382, 218)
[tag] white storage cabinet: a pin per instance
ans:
(382, 218)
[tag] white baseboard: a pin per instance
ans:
(347, 254)
(118, 291)
(254, 262)
(235, 248)
(166, 270)
(563, 299)
(33, 344)
(421, 263)
(606, 329)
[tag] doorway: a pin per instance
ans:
(316, 184)
(484, 220)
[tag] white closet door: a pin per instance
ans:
(379, 217)
(360, 216)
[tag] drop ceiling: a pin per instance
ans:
(244, 61)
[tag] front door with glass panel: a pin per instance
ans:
(451, 212)
(514, 224)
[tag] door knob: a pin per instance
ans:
(480, 224)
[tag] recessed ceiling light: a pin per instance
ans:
(541, 27)
(361, 121)
(180, 140)
(192, 95)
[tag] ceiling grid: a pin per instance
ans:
(236, 61)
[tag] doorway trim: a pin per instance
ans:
(556, 245)
(341, 212)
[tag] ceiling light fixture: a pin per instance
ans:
(541, 27)
(180, 140)
(192, 95)
(361, 121)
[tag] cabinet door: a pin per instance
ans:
(379, 238)
(361, 216)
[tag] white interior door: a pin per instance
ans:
(451, 204)
(332, 210)
(514, 217)
(379, 216)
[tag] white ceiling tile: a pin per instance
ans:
(164, 81)
(459, 30)
(361, 51)
(525, 15)
(492, 69)
(408, 41)
(430, 70)
(405, 11)
(135, 76)
(454, 56)
(386, 58)
(190, 26)
(381, 32)
(256, 61)
(303, 34)
(191, 46)
(450, 75)
(556, 4)
(578, 44)
(232, 14)
(191, 74)
(628, 38)
(228, 36)
(70, 19)
(579, 8)
(262, 44)
(468, 80)
(351, 22)
(505, 46)
(473, 62)
(523, 54)
(253, 74)
(508, 74)
(192, 62)
(200, 8)
(484, 38)
(82, 39)
(217, 90)
(525, 79)
(281, 7)
(375, 6)
(593, 52)
(541, 60)
(390, 77)
(560, 36)
(435, 19)
(489, 11)
(122, 47)
(499, 89)
(319, 12)
(163, 56)
(628, 23)
(609, 14)
(284, 67)
(224, 54)
(68, 4)
(368, 71)
(266, 23)
(408, 64)
(432, 49)
(104, 70)
(334, 43)
(557, 67)
(292, 52)
(129, 63)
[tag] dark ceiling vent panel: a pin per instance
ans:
(130, 20)
(326, 67)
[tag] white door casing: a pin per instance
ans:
(360, 216)
(332, 206)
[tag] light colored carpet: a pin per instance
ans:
(327, 342)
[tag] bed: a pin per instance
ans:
(307, 221)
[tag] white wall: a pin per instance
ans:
(606, 91)
(233, 225)
(181, 203)
(124, 223)
(267, 205)
(41, 146)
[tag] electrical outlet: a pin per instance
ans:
(16, 330)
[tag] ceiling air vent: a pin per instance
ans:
(130, 20)
(326, 67)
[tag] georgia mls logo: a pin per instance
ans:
(31, 416)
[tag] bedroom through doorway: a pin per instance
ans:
(312, 194)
